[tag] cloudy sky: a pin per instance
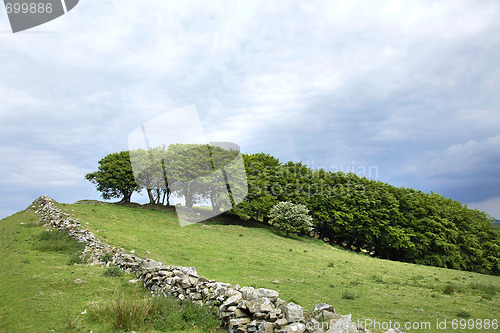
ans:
(406, 89)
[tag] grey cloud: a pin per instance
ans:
(331, 83)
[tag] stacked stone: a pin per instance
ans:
(241, 309)
(56, 219)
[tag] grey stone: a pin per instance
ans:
(280, 322)
(189, 271)
(293, 328)
(225, 314)
(248, 293)
(233, 300)
(280, 304)
(271, 294)
(342, 325)
(259, 315)
(293, 312)
(323, 306)
(265, 327)
(231, 292)
(165, 273)
(239, 321)
(260, 305)
(327, 315)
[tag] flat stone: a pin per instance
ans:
(260, 305)
(259, 315)
(280, 322)
(233, 300)
(165, 273)
(294, 328)
(239, 321)
(269, 293)
(323, 306)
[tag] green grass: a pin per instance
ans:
(40, 292)
(307, 271)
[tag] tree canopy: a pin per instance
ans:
(114, 177)
(375, 217)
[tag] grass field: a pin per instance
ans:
(306, 271)
(41, 290)
(38, 292)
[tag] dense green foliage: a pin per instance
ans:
(197, 172)
(372, 216)
(150, 174)
(200, 172)
(114, 177)
(290, 217)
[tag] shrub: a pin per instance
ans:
(449, 289)
(348, 295)
(488, 291)
(73, 325)
(290, 217)
(130, 314)
(75, 259)
(113, 271)
(165, 314)
(106, 257)
(58, 241)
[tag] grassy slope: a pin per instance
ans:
(303, 271)
(38, 289)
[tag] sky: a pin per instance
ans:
(406, 92)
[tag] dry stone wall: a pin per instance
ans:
(241, 309)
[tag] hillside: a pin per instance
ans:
(306, 271)
(45, 287)
(348, 210)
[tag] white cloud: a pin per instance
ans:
(411, 87)
(491, 206)
(468, 159)
(34, 168)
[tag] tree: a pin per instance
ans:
(150, 173)
(290, 217)
(114, 177)
(260, 170)
(188, 167)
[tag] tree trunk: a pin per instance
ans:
(151, 197)
(126, 197)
